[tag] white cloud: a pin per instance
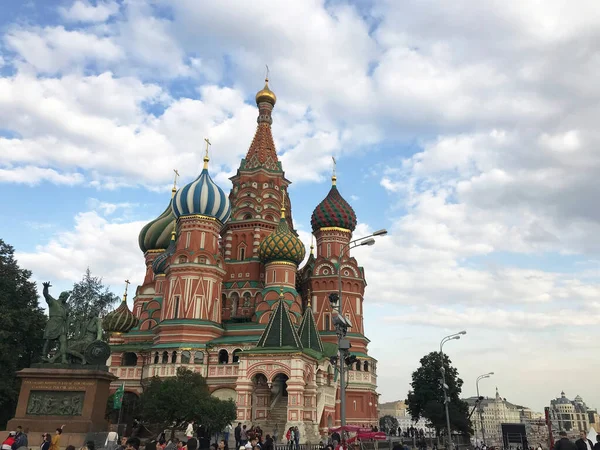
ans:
(31, 175)
(83, 11)
(54, 49)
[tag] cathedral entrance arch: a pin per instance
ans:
(261, 395)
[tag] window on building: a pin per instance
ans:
(236, 355)
(366, 366)
(156, 358)
(176, 307)
(173, 357)
(185, 357)
(129, 359)
(326, 324)
(223, 356)
(242, 253)
(165, 357)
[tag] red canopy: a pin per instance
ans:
(366, 435)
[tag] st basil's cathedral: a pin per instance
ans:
(224, 296)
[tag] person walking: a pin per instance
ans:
(189, 431)
(297, 438)
(226, 432)
(237, 432)
(564, 443)
(243, 436)
(583, 443)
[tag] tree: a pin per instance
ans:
(22, 330)
(426, 399)
(89, 298)
(389, 424)
(172, 401)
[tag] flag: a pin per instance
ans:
(118, 399)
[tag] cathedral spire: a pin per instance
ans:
(262, 151)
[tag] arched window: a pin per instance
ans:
(235, 303)
(358, 364)
(182, 259)
(129, 359)
(247, 216)
(185, 357)
(242, 253)
(223, 356)
(366, 366)
(156, 358)
(165, 357)
(247, 299)
(198, 358)
(236, 355)
(174, 358)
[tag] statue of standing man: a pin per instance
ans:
(56, 328)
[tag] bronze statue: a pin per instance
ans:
(56, 328)
(84, 347)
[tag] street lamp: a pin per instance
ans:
(340, 322)
(481, 377)
(450, 337)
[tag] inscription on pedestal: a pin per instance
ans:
(51, 403)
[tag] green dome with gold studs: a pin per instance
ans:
(282, 245)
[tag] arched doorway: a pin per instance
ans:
(223, 356)
(261, 397)
(278, 410)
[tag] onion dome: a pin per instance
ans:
(161, 262)
(202, 196)
(156, 235)
(333, 211)
(121, 320)
(282, 244)
(266, 94)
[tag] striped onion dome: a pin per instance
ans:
(333, 211)
(202, 196)
(121, 320)
(282, 244)
(156, 235)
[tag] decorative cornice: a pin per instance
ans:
(281, 263)
(160, 250)
(198, 216)
(343, 230)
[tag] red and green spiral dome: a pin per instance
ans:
(333, 211)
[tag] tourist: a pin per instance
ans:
(123, 443)
(173, 444)
(252, 443)
(597, 444)
(223, 445)
(20, 439)
(583, 443)
(290, 438)
(46, 441)
(70, 447)
(243, 436)
(55, 445)
(189, 431)
(133, 443)
(269, 444)
(275, 434)
(112, 440)
(192, 444)
(91, 445)
(564, 443)
(237, 433)
(297, 438)
(226, 432)
(9, 441)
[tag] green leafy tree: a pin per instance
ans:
(389, 424)
(170, 402)
(89, 298)
(426, 399)
(21, 333)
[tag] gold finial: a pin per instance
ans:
(174, 232)
(283, 203)
(308, 302)
(206, 158)
(174, 183)
(312, 245)
(125, 294)
(281, 293)
(333, 176)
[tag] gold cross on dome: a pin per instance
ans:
(175, 180)
(126, 286)
(334, 164)
(267, 76)
(207, 144)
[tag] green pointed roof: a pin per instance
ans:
(309, 336)
(279, 331)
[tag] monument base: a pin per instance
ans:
(52, 396)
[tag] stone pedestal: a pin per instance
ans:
(51, 396)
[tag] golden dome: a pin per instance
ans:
(266, 94)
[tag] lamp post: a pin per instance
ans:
(341, 323)
(480, 409)
(450, 337)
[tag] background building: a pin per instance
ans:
(495, 412)
(399, 410)
(572, 416)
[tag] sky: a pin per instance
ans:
(468, 129)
